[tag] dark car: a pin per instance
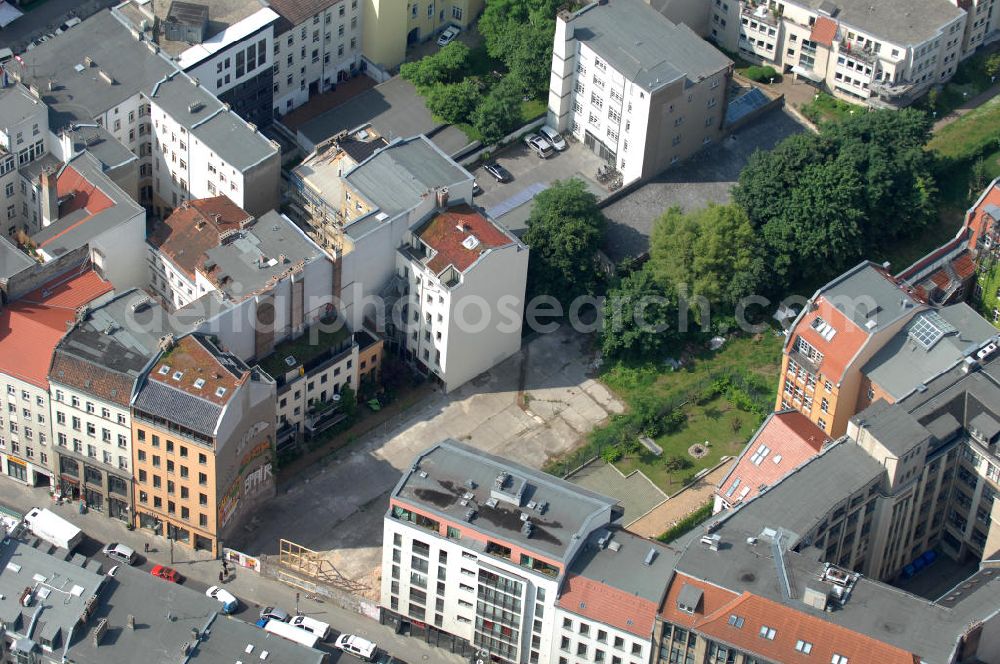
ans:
(499, 172)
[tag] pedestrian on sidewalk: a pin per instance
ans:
(145, 547)
(222, 578)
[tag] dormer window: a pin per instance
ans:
(220, 391)
(200, 383)
(177, 375)
(164, 370)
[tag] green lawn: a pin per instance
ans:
(988, 300)
(827, 108)
(970, 134)
(724, 427)
(969, 80)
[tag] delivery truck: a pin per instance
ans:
(52, 528)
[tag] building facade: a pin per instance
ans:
(863, 53)
(24, 137)
(203, 441)
(317, 45)
(640, 112)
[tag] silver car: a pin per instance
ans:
(539, 145)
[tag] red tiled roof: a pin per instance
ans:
(611, 606)
(964, 266)
(194, 228)
(80, 194)
(791, 626)
(99, 381)
(838, 351)
(448, 229)
(195, 362)
(713, 599)
(792, 438)
(31, 327)
(824, 31)
(978, 221)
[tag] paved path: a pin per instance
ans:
(969, 105)
(672, 510)
(199, 572)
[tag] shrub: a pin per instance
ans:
(688, 523)
(761, 74)
(611, 454)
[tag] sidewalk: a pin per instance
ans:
(252, 589)
(969, 105)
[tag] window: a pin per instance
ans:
(767, 632)
(456, 12)
(839, 659)
(803, 646)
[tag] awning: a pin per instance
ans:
(8, 14)
(807, 73)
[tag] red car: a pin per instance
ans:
(166, 573)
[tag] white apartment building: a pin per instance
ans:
(886, 53)
(189, 144)
(24, 137)
(466, 278)
(640, 108)
(484, 556)
(317, 44)
(33, 324)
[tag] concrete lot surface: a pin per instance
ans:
(530, 173)
(339, 508)
(706, 177)
(635, 491)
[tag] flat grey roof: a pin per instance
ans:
(99, 142)
(34, 169)
(867, 288)
(620, 563)
(17, 104)
(396, 177)
(644, 45)
(902, 364)
(178, 406)
(68, 233)
(894, 427)
(245, 259)
(62, 590)
(80, 96)
(899, 21)
(12, 259)
(439, 478)
(205, 117)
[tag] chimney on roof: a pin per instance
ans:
(442, 197)
(50, 198)
(106, 77)
(130, 621)
(166, 342)
(100, 631)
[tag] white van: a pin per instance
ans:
(320, 629)
(286, 631)
(5, 55)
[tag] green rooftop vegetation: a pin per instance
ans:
(316, 341)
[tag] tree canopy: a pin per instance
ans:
(711, 251)
(565, 230)
(822, 202)
(499, 112)
(640, 319)
(453, 102)
(519, 33)
(447, 65)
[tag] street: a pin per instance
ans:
(45, 18)
(199, 572)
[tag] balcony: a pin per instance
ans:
(855, 52)
(759, 11)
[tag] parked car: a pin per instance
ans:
(499, 172)
(539, 145)
(317, 627)
(274, 613)
(553, 137)
(166, 573)
(356, 646)
(476, 189)
(229, 602)
(382, 657)
(448, 36)
(120, 553)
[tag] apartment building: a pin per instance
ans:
(317, 44)
(455, 260)
(783, 442)
(24, 137)
(203, 441)
(391, 26)
(481, 554)
(95, 368)
(82, 208)
(33, 322)
(252, 281)
(640, 107)
(188, 143)
(844, 324)
(776, 579)
(880, 54)
(226, 46)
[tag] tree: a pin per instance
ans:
(712, 251)
(992, 65)
(822, 202)
(519, 33)
(676, 462)
(453, 102)
(640, 320)
(447, 65)
(499, 112)
(565, 230)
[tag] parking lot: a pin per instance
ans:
(510, 202)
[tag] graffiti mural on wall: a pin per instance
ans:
(247, 483)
